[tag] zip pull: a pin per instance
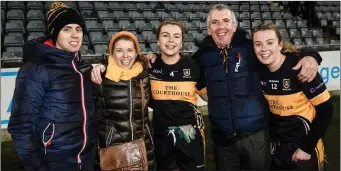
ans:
(79, 166)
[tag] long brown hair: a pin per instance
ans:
(287, 46)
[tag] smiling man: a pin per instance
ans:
(52, 122)
(237, 110)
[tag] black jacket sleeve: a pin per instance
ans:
(324, 113)
(306, 51)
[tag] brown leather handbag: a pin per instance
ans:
(127, 156)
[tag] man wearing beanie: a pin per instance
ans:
(52, 122)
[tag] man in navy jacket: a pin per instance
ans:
(237, 109)
(52, 123)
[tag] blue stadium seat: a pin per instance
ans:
(268, 21)
(130, 6)
(17, 54)
(244, 8)
(34, 35)
(302, 24)
(121, 16)
(147, 35)
(310, 42)
(154, 47)
(105, 15)
(89, 15)
(15, 26)
(323, 23)
(13, 41)
(245, 24)
(146, 27)
(244, 16)
(254, 8)
(284, 33)
(34, 5)
(179, 16)
(15, 14)
(93, 26)
(336, 16)
(35, 15)
(97, 38)
(85, 40)
(291, 24)
(144, 7)
(336, 24)
(135, 15)
(203, 26)
(160, 7)
(163, 15)
(256, 23)
(320, 41)
(234, 7)
(298, 42)
(194, 16)
(199, 8)
(306, 33)
(287, 16)
(19, 5)
(280, 24)
(264, 8)
(188, 8)
(109, 25)
(190, 26)
(277, 15)
(116, 6)
(128, 27)
(101, 6)
(140, 38)
(111, 33)
(293, 33)
(335, 42)
(256, 16)
(275, 8)
(266, 15)
(83, 5)
(148, 15)
(35, 26)
(317, 33)
(100, 49)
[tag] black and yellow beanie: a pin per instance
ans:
(60, 15)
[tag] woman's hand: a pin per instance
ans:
(96, 73)
(150, 57)
(300, 155)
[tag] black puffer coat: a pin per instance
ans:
(122, 113)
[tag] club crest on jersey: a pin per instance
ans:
(238, 63)
(286, 84)
(187, 73)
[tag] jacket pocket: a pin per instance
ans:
(48, 134)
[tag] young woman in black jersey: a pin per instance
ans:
(301, 112)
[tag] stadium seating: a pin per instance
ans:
(23, 21)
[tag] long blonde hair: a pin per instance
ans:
(287, 46)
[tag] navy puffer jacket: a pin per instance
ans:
(52, 121)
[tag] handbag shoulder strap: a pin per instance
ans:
(143, 101)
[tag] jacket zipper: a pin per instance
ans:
(150, 135)
(131, 111)
(232, 115)
(79, 161)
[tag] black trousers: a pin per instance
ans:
(173, 152)
(249, 153)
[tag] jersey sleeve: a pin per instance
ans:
(316, 90)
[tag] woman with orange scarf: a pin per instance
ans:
(121, 100)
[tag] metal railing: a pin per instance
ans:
(15, 62)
